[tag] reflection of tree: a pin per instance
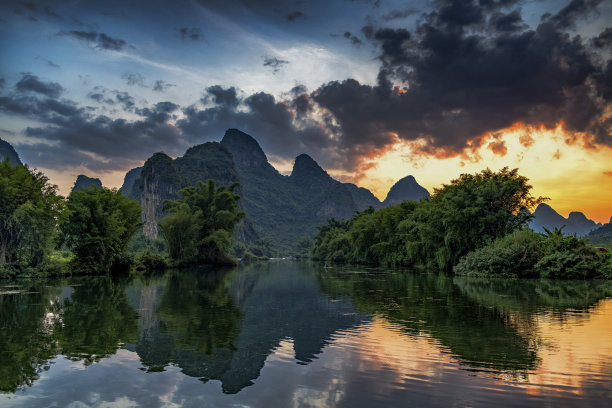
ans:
(479, 335)
(199, 312)
(26, 341)
(96, 320)
(528, 296)
(196, 322)
(201, 329)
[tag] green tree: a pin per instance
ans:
(98, 226)
(29, 210)
(470, 212)
(201, 223)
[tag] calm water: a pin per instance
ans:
(290, 335)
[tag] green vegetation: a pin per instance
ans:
(200, 224)
(98, 226)
(529, 254)
(470, 212)
(29, 210)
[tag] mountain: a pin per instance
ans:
(601, 235)
(363, 197)
(6, 150)
(279, 208)
(406, 189)
(131, 180)
(285, 208)
(576, 223)
(82, 182)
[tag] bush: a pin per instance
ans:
(151, 261)
(122, 263)
(514, 255)
(529, 254)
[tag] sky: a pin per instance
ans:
(373, 90)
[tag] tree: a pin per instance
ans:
(98, 226)
(29, 210)
(201, 223)
(470, 212)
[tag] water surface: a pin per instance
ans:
(288, 334)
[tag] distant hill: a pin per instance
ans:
(278, 207)
(601, 235)
(131, 180)
(407, 189)
(576, 223)
(83, 182)
(363, 197)
(7, 150)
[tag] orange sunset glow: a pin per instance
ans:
(573, 176)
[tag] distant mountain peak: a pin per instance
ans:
(6, 149)
(406, 189)
(244, 147)
(306, 170)
(83, 182)
(545, 217)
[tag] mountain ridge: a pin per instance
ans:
(545, 217)
(281, 208)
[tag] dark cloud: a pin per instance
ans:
(34, 8)
(31, 83)
(73, 136)
(398, 14)
(193, 33)
(96, 40)
(576, 9)
(47, 110)
(294, 15)
(2, 82)
(507, 22)
(125, 99)
(352, 38)
(161, 86)
(468, 69)
(221, 96)
(49, 62)
(274, 63)
(99, 95)
(604, 40)
(134, 79)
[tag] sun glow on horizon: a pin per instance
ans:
(574, 177)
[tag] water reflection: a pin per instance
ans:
(325, 337)
(223, 325)
(26, 340)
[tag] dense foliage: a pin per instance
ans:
(470, 212)
(529, 254)
(29, 209)
(98, 226)
(199, 226)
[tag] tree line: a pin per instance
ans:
(476, 225)
(43, 233)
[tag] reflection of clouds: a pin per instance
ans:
(579, 352)
(375, 364)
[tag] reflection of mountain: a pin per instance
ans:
(224, 326)
(476, 334)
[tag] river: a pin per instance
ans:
(291, 334)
